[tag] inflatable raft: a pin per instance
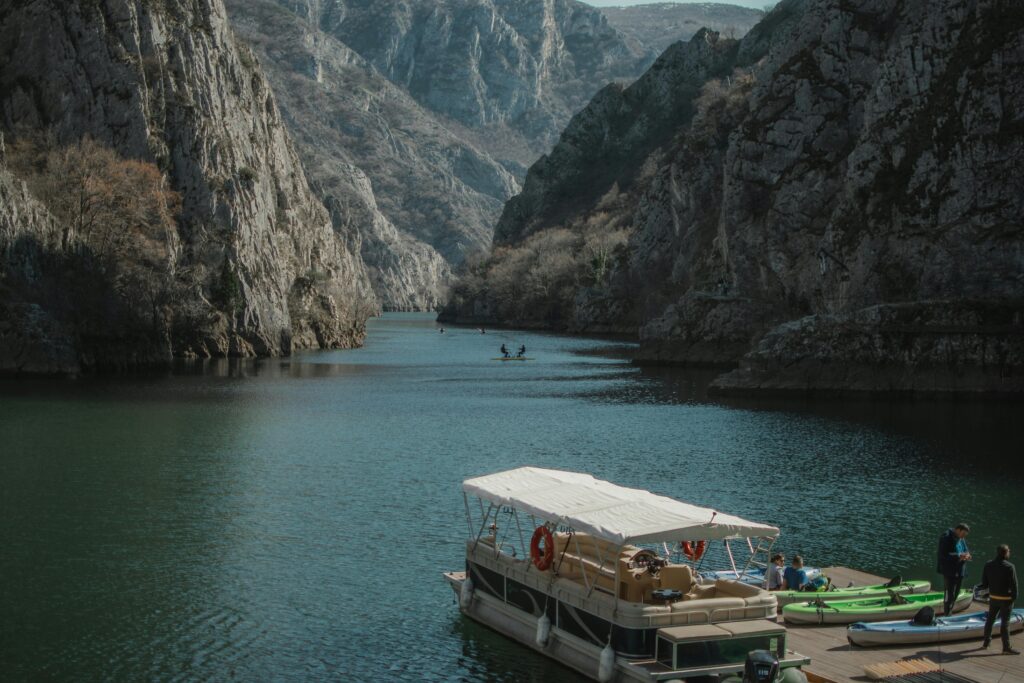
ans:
(943, 629)
(819, 611)
(853, 592)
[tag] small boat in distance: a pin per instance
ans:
(514, 358)
(579, 570)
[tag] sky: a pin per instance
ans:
(756, 4)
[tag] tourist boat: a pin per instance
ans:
(942, 630)
(579, 570)
(853, 592)
(817, 611)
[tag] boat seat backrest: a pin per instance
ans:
(705, 592)
(736, 589)
(677, 577)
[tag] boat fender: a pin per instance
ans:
(466, 593)
(543, 630)
(606, 667)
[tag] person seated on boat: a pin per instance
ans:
(522, 351)
(1000, 578)
(441, 331)
(795, 578)
(773, 579)
(504, 351)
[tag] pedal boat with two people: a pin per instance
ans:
(579, 569)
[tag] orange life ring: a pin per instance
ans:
(694, 550)
(542, 561)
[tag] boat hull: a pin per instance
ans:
(567, 649)
(946, 629)
(851, 611)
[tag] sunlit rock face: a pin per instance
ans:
(169, 83)
(420, 196)
(847, 196)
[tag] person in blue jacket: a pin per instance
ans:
(795, 577)
(953, 557)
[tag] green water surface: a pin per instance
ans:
(289, 519)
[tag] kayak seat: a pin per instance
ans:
(895, 582)
(924, 617)
(896, 599)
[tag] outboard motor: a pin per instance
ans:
(761, 667)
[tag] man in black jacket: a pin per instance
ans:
(952, 562)
(1000, 577)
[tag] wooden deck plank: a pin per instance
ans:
(834, 659)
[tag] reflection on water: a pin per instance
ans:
(290, 518)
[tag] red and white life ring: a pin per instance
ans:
(542, 559)
(694, 549)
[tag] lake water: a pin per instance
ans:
(290, 519)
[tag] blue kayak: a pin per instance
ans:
(943, 629)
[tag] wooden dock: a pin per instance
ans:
(834, 659)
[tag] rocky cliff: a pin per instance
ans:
(511, 71)
(841, 212)
(252, 264)
(418, 193)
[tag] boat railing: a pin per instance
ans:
(602, 603)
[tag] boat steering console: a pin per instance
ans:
(647, 561)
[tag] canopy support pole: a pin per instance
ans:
(583, 566)
(522, 542)
(483, 524)
(469, 517)
(732, 561)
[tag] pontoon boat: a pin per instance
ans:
(579, 569)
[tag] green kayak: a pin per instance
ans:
(853, 592)
(894, 606)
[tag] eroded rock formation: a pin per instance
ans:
(168, 83)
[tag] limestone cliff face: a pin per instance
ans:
(858, 174)
(420, 195)
(31, 340)
(168, 82)
(514, 71)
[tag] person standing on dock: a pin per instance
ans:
(1000, 577)
(953, 558)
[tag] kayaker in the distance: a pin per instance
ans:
(773, 579)
(504, 351)
(795, 577)
(953, 557)
(1000, 578)
(522, 351)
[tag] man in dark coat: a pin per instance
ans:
(1000, 578)
(952, 562)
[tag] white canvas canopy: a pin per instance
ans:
(611, 512)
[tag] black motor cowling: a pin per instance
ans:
(761, 667)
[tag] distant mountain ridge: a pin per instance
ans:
(413, 163)
(657, 25)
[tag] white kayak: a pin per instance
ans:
(943, 629)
